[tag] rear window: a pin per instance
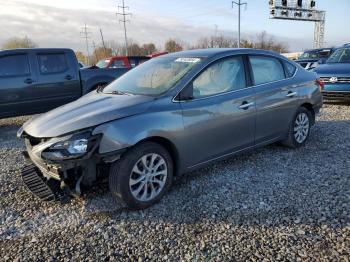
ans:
(266, 69)
(290, 69)
(103, 63)
(52, 63)
(14, 65)
(118, 64)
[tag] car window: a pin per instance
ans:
(52, 63)
(340, 56)
(290, 68)
(223, 76)
(266, 69)
(14, 65)
(132, 62)
(103, 63)
(118, 64)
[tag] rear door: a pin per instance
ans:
(219, 118)
(59, 81)
(17, 81)
(276, 97)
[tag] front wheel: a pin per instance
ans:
(299, 129)
(142, 176)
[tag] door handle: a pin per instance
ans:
(68, 77)
(28, 81)
(291, 94)
(245, 105)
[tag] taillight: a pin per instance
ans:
(320, 83)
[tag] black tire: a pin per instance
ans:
(120, 172)
(291, 141)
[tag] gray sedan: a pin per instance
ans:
(168, 116)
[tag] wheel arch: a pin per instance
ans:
(310, 108)
(169, 146)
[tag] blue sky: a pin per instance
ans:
(158, 20)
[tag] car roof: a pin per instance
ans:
(37, 49)
(318, 49)
(210, 52)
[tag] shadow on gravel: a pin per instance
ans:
(8, 132)
(272, 186)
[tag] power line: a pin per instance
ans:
(86, 34)
(239, 4)
(124, 20)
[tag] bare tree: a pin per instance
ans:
(80, 56)
(264, 41)
(101, 53)
(216, 42)
(173, 45)
(246, 44)
(148, 49)
(16, 42)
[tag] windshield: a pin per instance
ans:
(310, 55)
(103, 63)
(153, 77)
(340, 56)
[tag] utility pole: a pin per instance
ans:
(103, 41)
(124, 20)
(95, 51)
(239, 4)
(86, 34)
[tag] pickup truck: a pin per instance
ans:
(37, 80)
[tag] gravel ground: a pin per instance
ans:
(272, 203)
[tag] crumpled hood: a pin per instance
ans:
(90, 110)
(333, 69)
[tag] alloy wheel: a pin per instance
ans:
(301, 127)
(148, 177)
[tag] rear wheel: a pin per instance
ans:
(142, 176)
(299, 129)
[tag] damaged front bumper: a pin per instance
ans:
(63, 177)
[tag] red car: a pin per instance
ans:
(125, 61)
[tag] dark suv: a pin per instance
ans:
(335, 74)
(310, 58)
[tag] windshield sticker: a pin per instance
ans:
(187, 60)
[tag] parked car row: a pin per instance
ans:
(333, 67)
(37, 80)
(157, 120)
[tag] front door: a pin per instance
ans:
(219, 114)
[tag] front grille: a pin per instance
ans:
(340, 80)
(46, 190)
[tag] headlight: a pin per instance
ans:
(70, 147)
(73, 147)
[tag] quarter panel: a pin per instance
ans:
(163, 119)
